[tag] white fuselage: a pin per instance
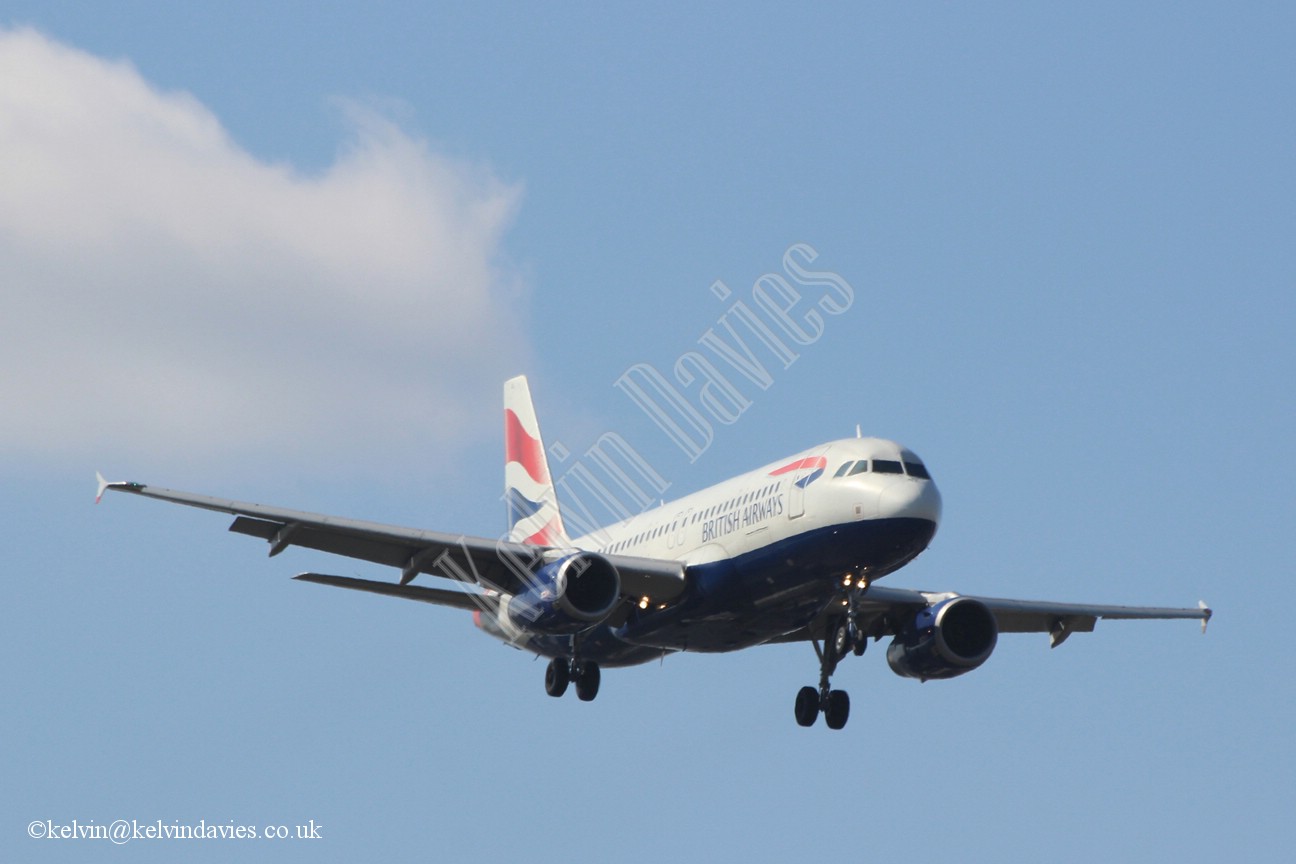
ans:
(762, 552)
(769, 505)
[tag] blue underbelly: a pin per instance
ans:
(777, 589)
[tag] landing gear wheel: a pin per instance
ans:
(837, 709)
(843, 636)
(839, 643)
(587, 682)
(807, 706)
(557, 674)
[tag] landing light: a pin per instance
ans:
(847, 581)
(643, 603)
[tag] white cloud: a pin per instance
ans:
(164, 291)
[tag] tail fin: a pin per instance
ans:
(533, 515)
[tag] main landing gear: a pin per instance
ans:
(583, 673)
(843, 637)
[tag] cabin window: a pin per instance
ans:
(887, 466)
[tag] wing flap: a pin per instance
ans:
(379, 550)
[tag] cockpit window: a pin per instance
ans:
(910, 466)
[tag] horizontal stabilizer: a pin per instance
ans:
(438, 596)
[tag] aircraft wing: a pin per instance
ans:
(1034, 616)
(497, 565)
(882, 608)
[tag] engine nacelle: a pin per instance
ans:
(567, 596)
(944, 640)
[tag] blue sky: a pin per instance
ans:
(290, 254)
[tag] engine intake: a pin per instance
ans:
(567, 596)
(944, 640)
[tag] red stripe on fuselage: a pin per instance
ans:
(811, 462)
(521, 448)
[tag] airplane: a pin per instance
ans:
(789, 552)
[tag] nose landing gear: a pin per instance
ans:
(844, 637)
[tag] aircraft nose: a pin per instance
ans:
(911, 499)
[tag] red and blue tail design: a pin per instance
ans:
(533, 515)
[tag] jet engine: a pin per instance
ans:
(567, 596)
(944, 640)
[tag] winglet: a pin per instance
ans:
(1206, 614)
(105, 485)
